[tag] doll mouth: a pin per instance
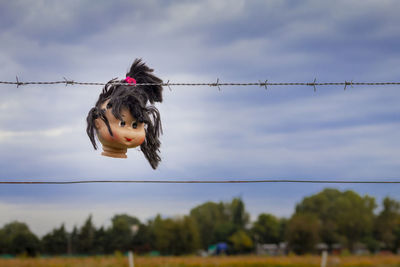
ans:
(128, 139)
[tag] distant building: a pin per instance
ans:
(272, 249)
(360, 249)
(336, 248)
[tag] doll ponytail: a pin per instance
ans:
(143, 74)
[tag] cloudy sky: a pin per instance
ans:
(236, 133)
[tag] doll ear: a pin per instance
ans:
(143, 74)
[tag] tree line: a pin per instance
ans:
(331, 217)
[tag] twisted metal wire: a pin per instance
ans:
(397, 181)
(218, 84)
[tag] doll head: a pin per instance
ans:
(122, 118)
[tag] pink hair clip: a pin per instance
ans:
(130, 80)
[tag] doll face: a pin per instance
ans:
(127, 133)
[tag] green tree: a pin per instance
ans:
(187, 236)
(86, 237)
(387, 224)
(323, 205)
(73, 241)
(122, 232)
(208, 216)
(343, 215)
(302, 233)
(18, 239)
(396, 231)
(142, 239)
(218, 221)
(355, 217)
(3, 242)
(266, 229)
(101, 243)
(239, 216)
(222, 232)
(179, 236)
(241, 242)
(56, 242)
(282, 228)
(161, 234)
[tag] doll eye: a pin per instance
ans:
(122, 124)
(134, 125)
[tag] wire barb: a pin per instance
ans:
(71, 82)
(263, 84)
(216, 84)
(348, 83)
(18, 83)
(169, 87)
(313, 84)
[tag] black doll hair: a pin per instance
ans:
(135, 99)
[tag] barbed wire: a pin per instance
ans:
(394, 181)
(218, 84)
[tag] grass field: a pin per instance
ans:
(235, 261)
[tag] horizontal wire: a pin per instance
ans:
(217, 83)
(208, 181)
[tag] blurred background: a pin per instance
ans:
(236, 133)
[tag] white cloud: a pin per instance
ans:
(5, 136)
